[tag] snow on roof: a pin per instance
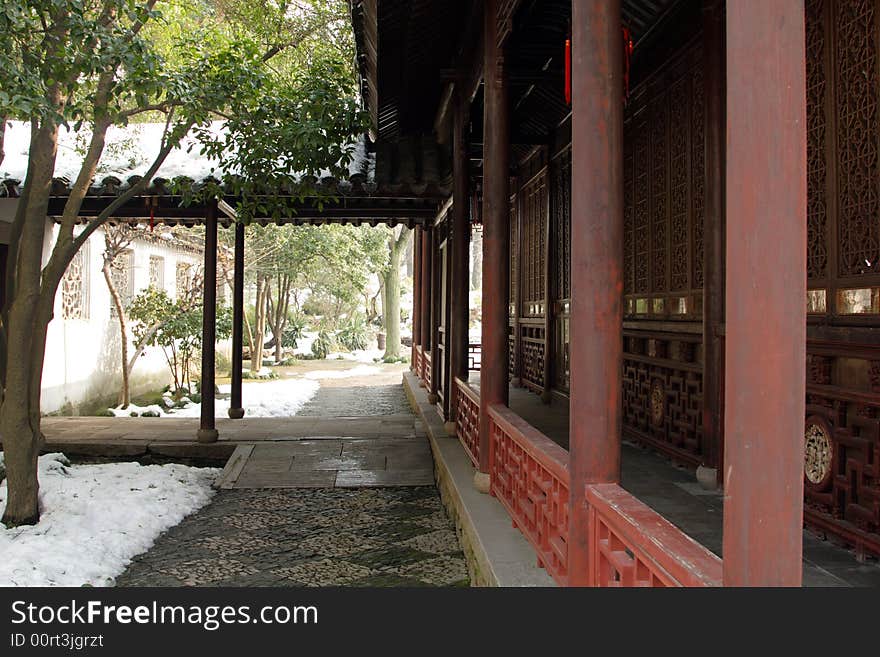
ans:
(129, 152)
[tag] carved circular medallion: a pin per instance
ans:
(658, 403)
(818, 453)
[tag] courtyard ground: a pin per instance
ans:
(354, 433)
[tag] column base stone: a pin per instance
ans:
(207, 435)
(236, 413)
(482, 481)
(707, 477)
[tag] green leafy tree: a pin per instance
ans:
(176, 327)
(274, 73)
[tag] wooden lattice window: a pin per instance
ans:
(122, 274)
(75, 287)
(157, 272)
(183, 280)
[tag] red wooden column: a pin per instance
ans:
(425, 323)
(207, 431)
(766, 201)
(417, 296)
(459, 291)
(436, 287)
(496, 230)
(596, 262)
(713, 231)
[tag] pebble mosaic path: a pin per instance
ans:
(393, 536)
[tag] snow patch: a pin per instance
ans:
(96, 518)
(277, 398)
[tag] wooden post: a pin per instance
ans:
(417, 296)
(515, 309)
(427, 234)
(236, 410)
(549, 342)
(459, 290)
(713, 231)
(436, 286)
(766, 201)
(596, 263)
(207, 431)
(496, 231)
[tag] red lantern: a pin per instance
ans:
(628, 47)
(568, 71)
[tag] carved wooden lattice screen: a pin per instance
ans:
(664, 184)
(842, 430)
(531, 275)
(560, 232)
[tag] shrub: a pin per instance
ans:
(353, 334)
(296, 326)
(323, 344)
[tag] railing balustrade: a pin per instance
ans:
(467, 423)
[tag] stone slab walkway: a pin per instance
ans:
(330, 463)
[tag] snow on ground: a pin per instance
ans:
(358, 355)
(304, 343)
(360, 370)
(134, 409)
(95, 518)
(280, 398)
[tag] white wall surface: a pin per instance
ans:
(83, 356)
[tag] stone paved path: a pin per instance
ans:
(351, 400)
(308, 537)
(393, 536)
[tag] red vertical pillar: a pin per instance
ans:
(713, 231)
(436, 287)
(766, 201)
(459, 295)
(496, 230)
(596, 262)
(425, 324)
(417, 296)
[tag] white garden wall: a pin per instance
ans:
(83, 356)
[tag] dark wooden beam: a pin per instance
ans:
(236, 410)
(207, 431)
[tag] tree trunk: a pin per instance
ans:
(123, 333)
(477, 260)
(391, 295)
(20, 412)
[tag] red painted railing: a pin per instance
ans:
(467, 423)
(631, 545)
(529, 476)
(428, 370)
(418, 365)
